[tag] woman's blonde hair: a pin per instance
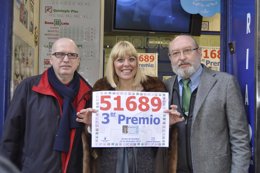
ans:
(122, 49)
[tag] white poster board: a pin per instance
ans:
(79, 20)
(130, 119)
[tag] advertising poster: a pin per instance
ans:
(148, 62)
(23, 62)
(211, 57)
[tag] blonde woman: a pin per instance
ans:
(122, 73)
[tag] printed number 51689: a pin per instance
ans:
(132, 103)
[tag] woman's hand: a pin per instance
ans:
(84, 116)
(174, 115)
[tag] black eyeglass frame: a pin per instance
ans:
(61, 55)
(190, 50)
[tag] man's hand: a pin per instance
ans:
(84, 116)
(174, 115)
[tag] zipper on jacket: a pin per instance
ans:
(188, 147)
(188, 121)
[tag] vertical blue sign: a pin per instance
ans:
(6, 21)
(242, 35)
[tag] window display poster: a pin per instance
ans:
(211, 57)
(148, 62)
(78, 20)
(23, 62)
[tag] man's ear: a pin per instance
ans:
(50, 60)
(78, 64)
(200, 50)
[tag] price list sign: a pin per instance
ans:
(75, 19)
(130, 119)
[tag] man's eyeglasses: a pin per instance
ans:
(185, 52)
(61, 55)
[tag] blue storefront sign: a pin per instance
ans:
(241, 57)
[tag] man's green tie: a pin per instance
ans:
(186, 94)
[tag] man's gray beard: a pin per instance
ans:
(184, 73)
